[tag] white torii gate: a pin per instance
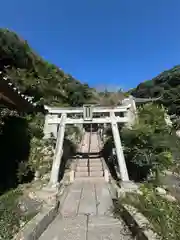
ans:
(57, 118)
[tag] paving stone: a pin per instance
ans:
(88, 200)
(109, 228)
(77, 186)
(71, 204)
(108, 233)
(102, 221)
(66, 229)
(104, 199)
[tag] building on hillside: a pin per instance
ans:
(133, 102)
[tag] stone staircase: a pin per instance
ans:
(89, 168)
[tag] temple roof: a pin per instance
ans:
(143, 100)
(11, 96)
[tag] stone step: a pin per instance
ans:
(97, 174)
(82, 163)
(91, 168)
(81, 174)
(95, 164)
(82, 169)
(95, 159)
(95, 168)
(90, 179)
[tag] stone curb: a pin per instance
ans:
(36, 226)
(137, 223)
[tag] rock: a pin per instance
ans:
(22, 207)
(46, 158)
(131, 186)
(37, 174)
(178, 133)
(28, 205)
(139, 192)
(32, 195)
(22, 223)
(46, 176)
(170, 198)
(160, 191)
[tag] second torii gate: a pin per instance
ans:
(57, 118)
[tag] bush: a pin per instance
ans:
(10, 214)
(163, 215)
(150, 144)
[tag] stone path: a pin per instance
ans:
(86, 212)
(90, 165)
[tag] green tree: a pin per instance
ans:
(167, 85)
(149, 145)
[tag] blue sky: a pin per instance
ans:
(116, 43)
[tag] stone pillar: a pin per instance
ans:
(54, 127)
(47, 132)
(58, 152)
(119, 150)
(50, 129)
(131, 112)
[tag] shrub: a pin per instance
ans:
(149, 145)
(163, 215)
(10, 214)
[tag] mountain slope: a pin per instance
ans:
(167, 85)
(36, 77)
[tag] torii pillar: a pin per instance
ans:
(58, 152)
(119, 149)
(50, 129)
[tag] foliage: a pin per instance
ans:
(4, 114)
(40, 158)
(149, 145)
(163, 215)
(167, 85)
(73, 133)
(35, 124)
(109, 98)
(36, 77)
(10, 214)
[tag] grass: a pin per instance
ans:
(11, 216)
(163, 215)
